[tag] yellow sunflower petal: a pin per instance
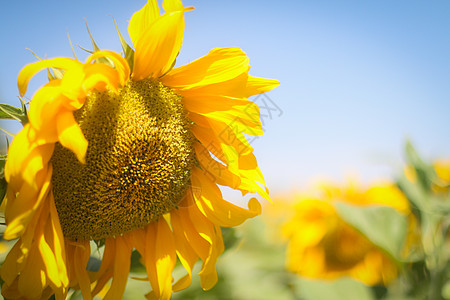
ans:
(51, 266)
(172, 5)
(11, 268)
(208, 138)
(208, 252)
(165, 259)
(45, 104)
(217, 170)
(120, 64)
(256, 85)
(196, 236)
(185, 253)
(208, 273)
(32, 280)
(219, 211)
(11, 291)
(150, 256)
(20, 210)
(141, 20)
(56, 241)
(30, 70)
(122, 260)
(80, 260)
(99, 77)
(158, 46)
(219, 65)
(26, 159)
(70, 134)
(106, 270)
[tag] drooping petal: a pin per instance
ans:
(186, 254)
(122, 260)
(219, 211)
(165, 259)
(30, 70)
(11, 266)
(80, 260)
(32, 280)
(205, 239)
(120, 64)
(55, 239)
(70, 135)
(215, 169)
(106, 271)
(99, 77)
(20, 210)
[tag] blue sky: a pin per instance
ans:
(357, 77)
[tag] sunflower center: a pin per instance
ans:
(345, 247)
(137, 167)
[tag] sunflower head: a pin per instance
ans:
(321, 244)
(138, 162)
(130, 150)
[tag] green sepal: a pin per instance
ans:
(10, 112)
(103, 60)
(54, 73)
(71, 46)
(127, 50)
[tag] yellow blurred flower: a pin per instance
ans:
(127, 151)
(442, 168)
(322, 245)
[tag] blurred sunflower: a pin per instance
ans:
(322, 245)
(130, 152)
(442, 168)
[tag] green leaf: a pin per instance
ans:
(10, 112)
(383, 225)
(416, 195)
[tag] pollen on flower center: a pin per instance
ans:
(137, 167)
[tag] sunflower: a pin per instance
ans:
(322, 245)
(129, 151)
(442, 180)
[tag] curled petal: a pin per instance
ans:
(219, 211)
(70, 135)
(30, 70)
(120, 64)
